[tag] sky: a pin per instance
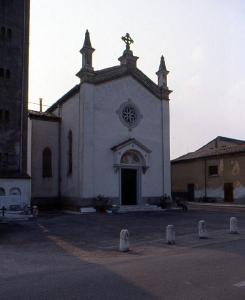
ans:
(203, 42)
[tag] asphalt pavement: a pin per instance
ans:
(64, 256)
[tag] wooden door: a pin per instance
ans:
(129, 186)
(228, 192)
(191, 192)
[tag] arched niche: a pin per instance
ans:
(2, 192)
(132, 157)
(131, 152)
(15, 191)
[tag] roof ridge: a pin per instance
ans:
(211, 153)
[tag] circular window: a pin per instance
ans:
(129, 114)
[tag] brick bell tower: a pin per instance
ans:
(14, 57)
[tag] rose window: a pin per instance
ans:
(129, 114)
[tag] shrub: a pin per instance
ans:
(102, 203)
(165, 202)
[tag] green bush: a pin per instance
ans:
(102, 203)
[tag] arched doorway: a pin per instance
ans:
(131, 163)
(2, 191)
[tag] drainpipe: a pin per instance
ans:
(23, 95)
(205, 179)
(59, 155)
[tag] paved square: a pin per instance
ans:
(64, 256)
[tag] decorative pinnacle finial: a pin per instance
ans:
(162, 66)
(162, 73)
(87, 42)
(127, 40)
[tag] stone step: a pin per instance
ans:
(135, 208)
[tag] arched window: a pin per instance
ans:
(2, 192)
(47, 163)
(6, 115)
(15, 191)
(70, 152)
(9, 33)
(7, 74)
(3, 31)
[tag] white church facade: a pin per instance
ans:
(109, 135)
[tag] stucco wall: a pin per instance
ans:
(44, 134)
(24, 185)
(92, 117)
(103, 130)
(231, 169)
(71, 121)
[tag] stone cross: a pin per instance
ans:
(127, 40)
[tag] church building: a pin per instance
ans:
(108, 135)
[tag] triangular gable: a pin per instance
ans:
(131, 142)
(109, 74)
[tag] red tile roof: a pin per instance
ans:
(205, 153)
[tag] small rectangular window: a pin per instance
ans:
(4, 159)
(1, 72)
(7, 74)
(2, 33)
(6, 115)
(1, 115)
(213, 170)
(9, 33)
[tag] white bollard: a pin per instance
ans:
(202, 231)
(233, 225)
(35, 211)
(170, 234)
(124, 240)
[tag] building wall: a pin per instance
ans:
(231, 169)
(91, 116)
(166, 148)
(14, 45)
(16, 192)
(103, 130)
(44, 134)
(71, 121)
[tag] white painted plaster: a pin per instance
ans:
(24, 185)
(92, 116)
(44, 134)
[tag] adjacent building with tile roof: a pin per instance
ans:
(214, 172)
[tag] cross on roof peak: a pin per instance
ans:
(127, 40)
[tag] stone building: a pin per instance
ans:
(14, 45)
(108, 135)
(215, 172)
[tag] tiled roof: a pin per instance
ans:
(210, 153)
(46, 116)
(224, 139)
(64, 98)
